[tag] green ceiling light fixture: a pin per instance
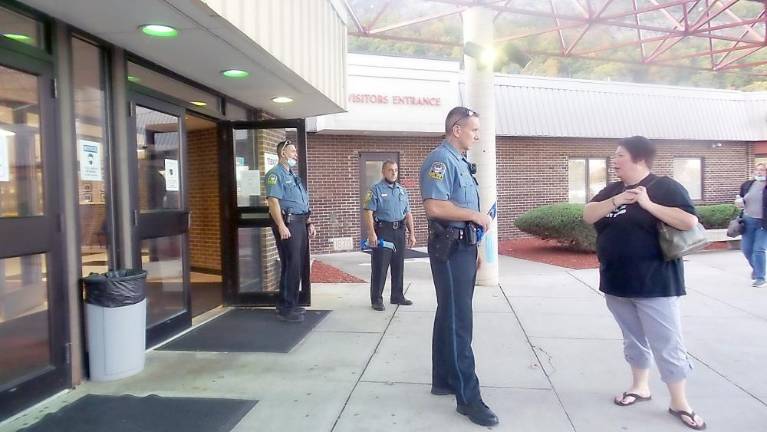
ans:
(18, 37)
(134, 79)
(235, 73)
(282, 99)
(198, 103)
(159, 30)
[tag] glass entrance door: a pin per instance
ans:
(161, 214)
(33, 324)
(371, 164)
(250, 264)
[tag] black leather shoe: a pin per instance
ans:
(478, 413)
(441, 391)
(299, 309)
(378, 306)
(291, 317)
(403, 302)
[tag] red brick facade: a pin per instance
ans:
(531, 172)
(203, 186)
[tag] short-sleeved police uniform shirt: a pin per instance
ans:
(445, 176)
(631, 262)
(282, 184)
(388, 202)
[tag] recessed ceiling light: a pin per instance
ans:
(134, 79)
(235, 73)
(282, 99)
(198, 103)
(18, 37)
(159, 30)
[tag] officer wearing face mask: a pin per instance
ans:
(292, 226)
(387, 212)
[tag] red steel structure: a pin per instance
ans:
(728, 35)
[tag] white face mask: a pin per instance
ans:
(292, 162)
(760, 178)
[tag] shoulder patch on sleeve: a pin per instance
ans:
(368, 197)
(437, 170)
(272, 179)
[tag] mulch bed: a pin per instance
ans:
(324, 273)
(547, 252)
(550, 252)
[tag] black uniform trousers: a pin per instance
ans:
(451, 354)
(382, 258)
(294, 257)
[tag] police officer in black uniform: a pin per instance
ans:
(292, 226)
(387, 212)
(451, 200)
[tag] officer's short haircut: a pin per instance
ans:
(640, 149)
(387, 163)
(281, 146)
(456, 115)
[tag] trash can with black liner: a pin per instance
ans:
(115, 315)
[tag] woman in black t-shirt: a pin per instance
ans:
(641, 288)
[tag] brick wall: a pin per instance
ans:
(334, 186)
(542, 162)
(531, 172)
(203, 187)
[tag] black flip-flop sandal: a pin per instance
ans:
(636, 397)
(691, 415)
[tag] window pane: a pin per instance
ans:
(688, 172)
(20, 28)
(158, 141)
(21, 169)
(161, 258)
(576, 174)
(259, 262)
(24, 346)
(597, 176)
(91, 155)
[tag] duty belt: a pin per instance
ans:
(394, 225)
(289, 218)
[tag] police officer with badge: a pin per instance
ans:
(387, 212)
(291, 225)
(451, 200)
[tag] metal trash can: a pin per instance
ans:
(115, 315)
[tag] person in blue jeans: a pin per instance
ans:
(753, 201)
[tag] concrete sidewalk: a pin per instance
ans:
(549, 358)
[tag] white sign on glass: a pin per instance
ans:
(90, 160)
(270, 161)
(171, 175)
(5, 171)
(250, 182)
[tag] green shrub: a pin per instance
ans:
(561, 222)
(717, 215)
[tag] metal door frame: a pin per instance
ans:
(41, 234)
(364, 188)
(234, 217)
(162, 223)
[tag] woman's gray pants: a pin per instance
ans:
(652, 328)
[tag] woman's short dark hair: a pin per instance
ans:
(640, 149)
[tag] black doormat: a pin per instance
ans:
(409, 253)
(247, 330)
(126, 413)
